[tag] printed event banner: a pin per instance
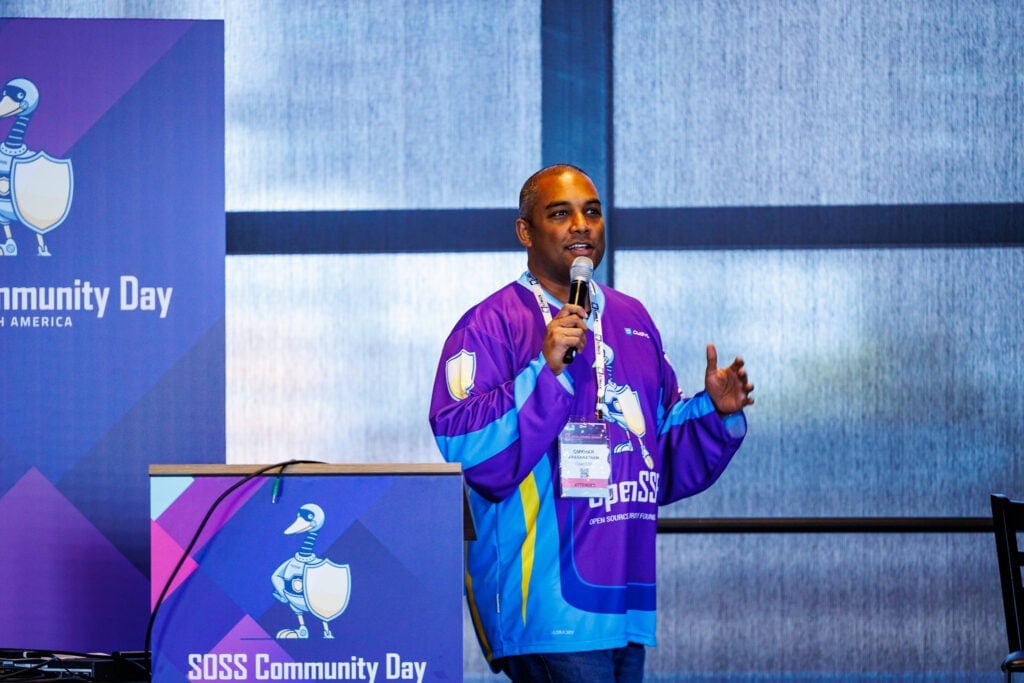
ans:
(308, 577)
(111, 309)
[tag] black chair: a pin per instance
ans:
(1008, 521)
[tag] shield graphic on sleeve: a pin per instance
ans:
(41, 191)
(327, 588)
(460, 374)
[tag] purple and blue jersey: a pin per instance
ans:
(548, 573)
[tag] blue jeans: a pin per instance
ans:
(618, 665)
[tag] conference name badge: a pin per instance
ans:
(584, 462)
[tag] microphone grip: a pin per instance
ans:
(578, 291)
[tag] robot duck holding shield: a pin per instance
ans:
(35, 188)
(308, 583)
(622, 407)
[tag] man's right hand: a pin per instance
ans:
(567, 330)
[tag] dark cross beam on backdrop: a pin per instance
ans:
(576, 96)
(577, 127)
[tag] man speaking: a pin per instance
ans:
(571, 430)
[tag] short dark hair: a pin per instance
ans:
(528, 194)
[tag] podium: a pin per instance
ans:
(306, 572)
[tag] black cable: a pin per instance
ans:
(126, 658)
(21, 671)
(33, 672)
(195, 539)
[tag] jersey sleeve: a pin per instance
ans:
(695, 441)
(697, 444)
(495, 408)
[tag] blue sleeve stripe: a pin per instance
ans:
(736, 425)
(473, 448)
(661, 412)
(526, 381)
(476, 447)
(692, 409)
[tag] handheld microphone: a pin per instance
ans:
(579, 290)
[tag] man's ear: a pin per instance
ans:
(523, 232)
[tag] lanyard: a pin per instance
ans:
(599, 366)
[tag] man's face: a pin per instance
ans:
(566, 222)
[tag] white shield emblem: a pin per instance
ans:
(327, 588)
(460, 373)
(41, 190)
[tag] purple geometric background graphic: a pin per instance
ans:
(89, 405)
(400, 535)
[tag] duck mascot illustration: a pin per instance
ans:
(622, 407)
(308, 583)
(35, 188)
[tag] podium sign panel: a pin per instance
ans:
(325, 572)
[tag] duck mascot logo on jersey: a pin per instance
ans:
(35, 188)
(308, 583)
(622, 407)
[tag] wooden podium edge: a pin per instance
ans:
(286, 469)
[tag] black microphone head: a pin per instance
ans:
(582, 269)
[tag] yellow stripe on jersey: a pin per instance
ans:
(531, 506)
